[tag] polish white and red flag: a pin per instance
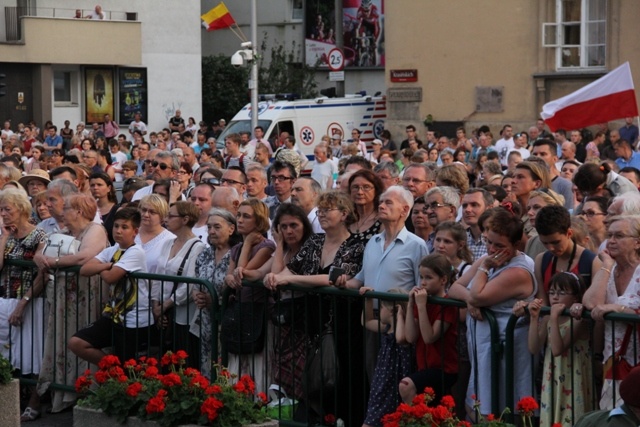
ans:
(610, 97)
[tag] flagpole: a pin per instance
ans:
(253, 81)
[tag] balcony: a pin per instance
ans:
(49, 38)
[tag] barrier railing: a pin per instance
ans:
(70, 302)
(279, 348)
(595, 359)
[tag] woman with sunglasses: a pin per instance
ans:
(185, 173)
(172, 307)
(594, 213)
(152, 235)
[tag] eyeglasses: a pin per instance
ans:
(618, 236)
(230, 181)
(212, 181)
(148, 211)
(277, 178)
(553, 292)
(365, 188)
(148, 161)
(590, 214)
(433, 206)
(323, 212)
(416, 180)
(162, 166)
(183, 172)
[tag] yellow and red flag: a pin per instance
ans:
(218, 18)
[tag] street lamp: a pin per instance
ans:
(248, 54)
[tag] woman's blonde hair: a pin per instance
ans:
(260, 213)
(549, 196)
(157, 203)
(17, 198)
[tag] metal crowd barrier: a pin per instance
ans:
(272, 336)
(66, 295)
(595, 357)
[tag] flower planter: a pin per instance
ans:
(83, 416)
(10, 398)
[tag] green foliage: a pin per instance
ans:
(6, 371)
(224, 88)
(285, 73)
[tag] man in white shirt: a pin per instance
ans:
(201, 197)
(304, 193)
(137, 125)
(323, 169)
(258, 138)
(96, 14)
(505, 144)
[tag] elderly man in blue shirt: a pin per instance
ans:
(391, 258)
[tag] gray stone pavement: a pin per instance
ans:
(64, 419)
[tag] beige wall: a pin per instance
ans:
(71, 41)
(456, 48)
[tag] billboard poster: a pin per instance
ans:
(363, 33)
(99, 94)
(133, 93)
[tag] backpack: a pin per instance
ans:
(584, 265)
(240, 161)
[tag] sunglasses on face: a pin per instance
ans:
(162, 166)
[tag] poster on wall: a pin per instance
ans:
(133, 93)
(99, 94)
(362, 27)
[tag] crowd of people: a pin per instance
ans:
(513, 225)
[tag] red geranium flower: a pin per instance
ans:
(108, 361)
(210, 408)
(151, 372)
(171, 380)
(527, 405)
(330, 419)
(82, 384)
(134, 389)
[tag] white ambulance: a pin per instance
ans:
(309, 119)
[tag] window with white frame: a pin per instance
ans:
(65, 87)
(578, 34)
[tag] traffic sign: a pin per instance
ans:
(336, 59)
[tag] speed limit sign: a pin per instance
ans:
(336, 59)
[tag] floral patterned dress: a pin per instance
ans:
(73, 303)
(22, 345)
(207, 269)
(566, 382)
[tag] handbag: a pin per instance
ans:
(242, 327)
(281, 406)
(288, 310)
(322, 369)
(616, 367)
(169, 314)
(59, 245)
